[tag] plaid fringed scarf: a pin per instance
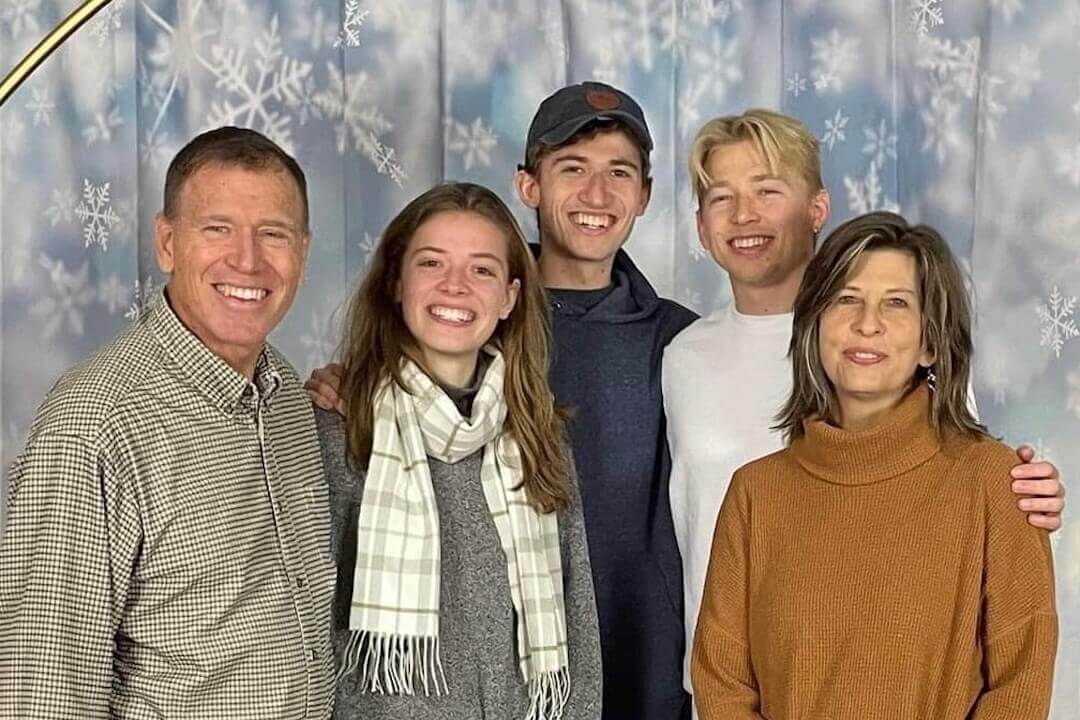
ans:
(395, 606)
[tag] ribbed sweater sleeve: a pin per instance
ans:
(721, 671)
(1020, 622)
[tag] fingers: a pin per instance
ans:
(321, 394)
(1046, 522)
(1035, 470)
(1042, 506)
(1042, 487)
(1026, 453)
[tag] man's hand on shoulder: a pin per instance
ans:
(323, 387)
(1043, 494)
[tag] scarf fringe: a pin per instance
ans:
(548, 693)
(394, 664)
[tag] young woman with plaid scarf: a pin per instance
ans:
(464, 585)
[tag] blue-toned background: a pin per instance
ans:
(961, 113)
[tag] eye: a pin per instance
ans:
(846, 299)
(427, 262)
(897, 302)
(485, 271)
(719, 199)
(572, 170)
(768, 191)
(621, 173)
(216, 229)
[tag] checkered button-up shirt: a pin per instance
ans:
(167, 544)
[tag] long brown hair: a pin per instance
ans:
(946, 320)
(376, 341)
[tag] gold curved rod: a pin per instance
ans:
(47, 45)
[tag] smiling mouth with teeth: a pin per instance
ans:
(590, 220)
(236, 292)
(456, 315)
(748, 243)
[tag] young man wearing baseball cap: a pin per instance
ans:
(586, 173)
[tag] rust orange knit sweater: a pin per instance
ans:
(873, 575)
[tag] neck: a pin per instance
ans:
(563, 273)
(856, 414)
(455, 371)
(766, 300)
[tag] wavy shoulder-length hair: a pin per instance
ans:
(376, 341)
(946, 321)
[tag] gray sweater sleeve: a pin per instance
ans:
(582, 623)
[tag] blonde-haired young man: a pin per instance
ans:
(761, 205)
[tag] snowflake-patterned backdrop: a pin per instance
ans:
(961, 113)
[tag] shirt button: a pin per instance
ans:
(300, 582)
(314, 655)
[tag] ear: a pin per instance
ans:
(165, 243)
(820, 204)
(528, 188)
(512, 292)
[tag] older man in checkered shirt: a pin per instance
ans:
(166, 549)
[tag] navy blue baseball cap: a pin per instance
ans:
(570, 108)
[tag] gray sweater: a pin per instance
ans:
(476, 614)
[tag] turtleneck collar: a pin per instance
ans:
(898, 443)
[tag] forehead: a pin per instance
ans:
(609, 146)
(220, 187)
(742, 160)
(884, 266)
(461, 231)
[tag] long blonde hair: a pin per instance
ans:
(376, 341)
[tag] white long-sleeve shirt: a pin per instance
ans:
(724, 379)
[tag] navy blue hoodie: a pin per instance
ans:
(606, 365)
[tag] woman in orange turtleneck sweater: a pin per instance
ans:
(835, 588)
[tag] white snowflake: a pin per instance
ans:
(107, 22)
(716, 66)
(796, 84)
(940, 130)
(724, 8)
(866, 194)
(349, 35)
(62, 206)
(1069, 165)
(68, 296)
(321, 338)
(255, 94)
(101, 130)
(474, 141)
(144, 292)
(97, 214)
(880, 143)
(367, 245)
(1024, 73)
(633, 32)
(835, 59)
(1009, 9)
(20, 16)
(1056, 318)
(154, 149)
(953, 68)
(834, 129)
(41, 106)
(14, 130)
(347, 104)
(113, 294)
(926, 15)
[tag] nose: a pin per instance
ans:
(454, 281)
(867, 321)
(744, 209)
(594, 193)
(245, 251)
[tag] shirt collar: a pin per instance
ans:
(223, 386)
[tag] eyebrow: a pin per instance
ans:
(274, 222)
(440, 251)
(756, 178)
(617, 162)
(909, 291)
